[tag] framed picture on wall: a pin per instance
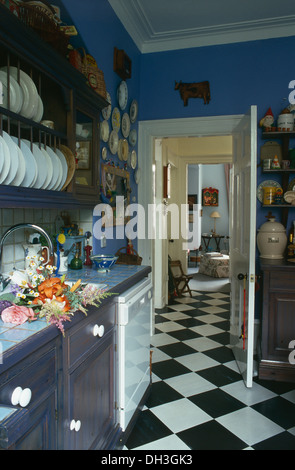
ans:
(210, 196)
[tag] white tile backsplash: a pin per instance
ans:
(13, 252)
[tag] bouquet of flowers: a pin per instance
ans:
(37, 293)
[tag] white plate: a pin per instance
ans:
(116, 117)
(107, 111)
(21, 169)
(133, 137)
(13, 159)
(122, 94)
(137, 175)
(6, 156)
(105, 131)
(1, 159)
(29, 90)
(133, 160)
(41, 164)
(31, 165)
(40, 110)
(271, 183)
(104, 153)
(114, 142)
(133, 111)
(57, 168)
(49, 169)
(16, 97)
(64, 168)
(125, 125)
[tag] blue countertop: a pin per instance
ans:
(11, 335)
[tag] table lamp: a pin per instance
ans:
(215, 215)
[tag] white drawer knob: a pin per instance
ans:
(21, 397)
(75, 425)
(25, 397)
(98, 330)
(16, 396)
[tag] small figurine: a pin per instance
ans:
(275, 164)
(267, 121)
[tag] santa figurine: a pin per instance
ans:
(267, 121)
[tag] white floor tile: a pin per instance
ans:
(174, 316)
(212, 310)
(249, 425)
(190, 384)
(160, 339)
(166, 443)
(248, 396)
(202, 343)
(159, 355)
(169, 326)
(207, 330)
(290, 395)
(210, 318)
(180, 414)
(197, 361)
(181, 307)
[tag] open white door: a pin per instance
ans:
(243, 242)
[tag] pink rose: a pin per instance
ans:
(17, 315)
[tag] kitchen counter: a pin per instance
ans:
(38, 340)
(117, 280)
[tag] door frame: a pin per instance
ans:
(148, 131)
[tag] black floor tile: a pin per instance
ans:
(147, 428)
(177, 349)
(279, 410)
(216, 402)
(283, 441)
(222, 354)
(211, 436)
(169, 368)
(162, 393)
(220, 375)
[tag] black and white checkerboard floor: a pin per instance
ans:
(198, 400)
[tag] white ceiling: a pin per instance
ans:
(161, 25)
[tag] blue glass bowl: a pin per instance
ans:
(104, 262)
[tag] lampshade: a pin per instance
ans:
(215, 215)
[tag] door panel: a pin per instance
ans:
(243, 242)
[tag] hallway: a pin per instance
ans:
(198, 400)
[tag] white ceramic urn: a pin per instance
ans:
(272, 240)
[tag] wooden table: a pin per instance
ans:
(207, 239)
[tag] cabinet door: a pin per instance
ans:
(41, 434)
(92, 399)
(281, 329)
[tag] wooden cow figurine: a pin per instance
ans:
(193, 90)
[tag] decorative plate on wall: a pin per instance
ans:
(116, 118)
(122, 95)
(133, 111)
(107, 111)
(125, 125)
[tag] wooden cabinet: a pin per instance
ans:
(284, 137)
(277, 321)
(67, 101)
(31, 388)
(90, 420)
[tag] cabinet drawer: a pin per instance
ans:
(89, 332)
(281, 281)
(30, 380)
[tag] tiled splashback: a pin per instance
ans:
(13, 252)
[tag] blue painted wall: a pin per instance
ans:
(240, 75)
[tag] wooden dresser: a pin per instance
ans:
(277, 320)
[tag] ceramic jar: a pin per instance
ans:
(272, 240)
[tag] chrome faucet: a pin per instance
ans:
(3, 282)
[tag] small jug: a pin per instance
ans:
(33, 253)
